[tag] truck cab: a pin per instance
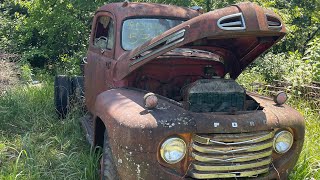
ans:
(162, 99)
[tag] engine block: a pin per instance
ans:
(215, 95)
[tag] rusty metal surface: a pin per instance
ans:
(239, 48)
(135, 133)
(135, 130)
(233, 155)
(246, 44)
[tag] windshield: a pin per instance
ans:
(135, 32)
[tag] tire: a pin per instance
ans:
(62, 93)
(108, 168)
(77, 92)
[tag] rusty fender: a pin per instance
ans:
(136, 134)
(283, 117)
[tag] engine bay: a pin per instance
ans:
(198, 84)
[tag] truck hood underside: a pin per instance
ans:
(238, 46)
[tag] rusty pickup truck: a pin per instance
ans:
(162, 100)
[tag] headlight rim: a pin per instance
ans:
(166, 142)
(277, 134)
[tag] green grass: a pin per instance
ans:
(35, 144)
(308, 166)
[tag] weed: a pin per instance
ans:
(308, 165)
(34, 144)
(26, 73)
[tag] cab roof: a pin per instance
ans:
(122, 11)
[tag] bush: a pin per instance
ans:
(299, 71)
(312, 57)
(271, 66)
(43, 31)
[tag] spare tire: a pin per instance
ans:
(62, 94)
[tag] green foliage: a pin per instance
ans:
(69, 65)
(47, 30)
(26, 73)
(271, 66)
(291, 67)
(312, 57)
(309, 161)
(299, 71)
(301, 19)
(300, 48)
(34, 144)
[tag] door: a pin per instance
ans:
(99, 57)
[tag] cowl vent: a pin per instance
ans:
(232, 22)
(273, 22)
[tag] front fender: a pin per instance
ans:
(132, 127)
(286, 117)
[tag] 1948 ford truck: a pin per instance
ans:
(160, 91)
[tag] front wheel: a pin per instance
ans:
(108, 168)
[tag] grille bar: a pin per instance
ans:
(232, 167)
(230, 158)
(232, 149)
(229, 140)
(231, 155)
(208, 175)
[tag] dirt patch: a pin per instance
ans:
(9, 72)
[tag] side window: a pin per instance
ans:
(104, 36)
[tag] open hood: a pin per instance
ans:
(239, 33)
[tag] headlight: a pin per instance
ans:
(282, 142)
(173, 150)
(280, 98)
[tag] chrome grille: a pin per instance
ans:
(231, 155)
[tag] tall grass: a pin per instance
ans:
(34, 144)
(308, 165)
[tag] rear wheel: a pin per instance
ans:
(108, 168)
(77, 83)
(62, 92)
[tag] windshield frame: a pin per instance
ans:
(147, 17)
